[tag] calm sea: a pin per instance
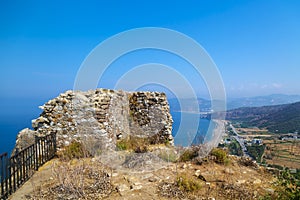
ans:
(193, 129)
(9, 128)
(15, 115)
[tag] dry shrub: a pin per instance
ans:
(74, 150)
(76, 180)
(184, 186)
(189, 154)
(170, 190)
(248, 162)
(231, 191)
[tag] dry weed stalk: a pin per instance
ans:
(76, 179)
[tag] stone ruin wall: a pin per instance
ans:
(100, 117)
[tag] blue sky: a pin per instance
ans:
(255, 44)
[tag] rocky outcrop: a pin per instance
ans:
(25, 138)
(100, 117)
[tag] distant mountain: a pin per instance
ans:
(274, 99)
(280, 118)
(190, 104)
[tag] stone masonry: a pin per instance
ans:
(100, 117)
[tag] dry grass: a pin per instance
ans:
(86, 178)
(136, 144)
(252, 130)
(76, 179)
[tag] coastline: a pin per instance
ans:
(192, 112)
(218, 132)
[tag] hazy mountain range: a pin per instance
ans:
(274, 99)
(190, 105)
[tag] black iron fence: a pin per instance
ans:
(18, 168)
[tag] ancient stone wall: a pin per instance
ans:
(100, 117)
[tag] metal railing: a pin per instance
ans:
(17, 169)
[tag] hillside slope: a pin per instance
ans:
(281, 118)
(94, 181)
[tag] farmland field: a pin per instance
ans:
(283, 153)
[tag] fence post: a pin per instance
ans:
(19, 169)
(3, 175)
(37, 145)
(8, 176)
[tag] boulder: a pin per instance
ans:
(25, 138)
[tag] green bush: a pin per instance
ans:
(122, 145)
(188, 183)
(291, 184)
(74, 150)
(256, 151)
(136, 144)
(287, 187)
(221, 156)
(235, 148)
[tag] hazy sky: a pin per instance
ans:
(255, 44)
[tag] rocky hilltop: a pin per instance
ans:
(100, 117)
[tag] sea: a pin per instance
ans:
(15, 115)
(9, 128)
(189, 129)
(187, 132)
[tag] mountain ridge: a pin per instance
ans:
(190, 104)
(283, 118)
